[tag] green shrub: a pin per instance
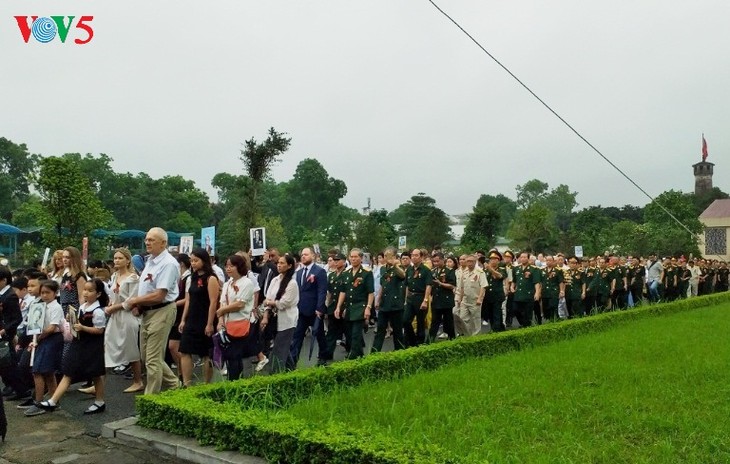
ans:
(249, 414)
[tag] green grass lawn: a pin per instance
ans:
(656, 391)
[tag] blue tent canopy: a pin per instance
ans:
(7, 229)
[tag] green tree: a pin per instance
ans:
(17, 167)
(481, 228)
(705, 199)
(312, 195)
(410, 213)
(562, 202)
(531, 192)
(71, 210)
(258, 159)
(373, 232)
(589, 228)
(433, 229)
(534, 228)
(668, 236)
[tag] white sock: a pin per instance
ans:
(51, 402)
(99, 402)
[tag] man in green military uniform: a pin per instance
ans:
(335, 286)
(418, 292)
(509, 258)
(603, 285)
(390, 301)
(526, 288)
(496, 273)
(722, 277)
(575, 289)
(618, 283)
(355, 302)
(590, 270)
(553, 288)
(442, 297)
(636, 276)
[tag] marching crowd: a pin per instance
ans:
(72, 323)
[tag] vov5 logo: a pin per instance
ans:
(45, 29)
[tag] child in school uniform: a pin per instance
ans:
(48, 344)
(86, 356)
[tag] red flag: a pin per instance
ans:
(704, 148)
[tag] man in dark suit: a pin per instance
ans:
(312, 280)
(10, 318)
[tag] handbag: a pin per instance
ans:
(238, 329)
(5, 358)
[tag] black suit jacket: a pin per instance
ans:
(10, 313)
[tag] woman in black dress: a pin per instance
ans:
(198, 319)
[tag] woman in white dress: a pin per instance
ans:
(122, 330)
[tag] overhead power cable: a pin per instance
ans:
(653, 200)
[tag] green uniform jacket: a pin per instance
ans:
(417, 279)
(551, 280)
(574, 280)
(603, 281)
(525, 279)
(635, 276)
(618, 273)
(443, 297)
(335, 286)
(358, 286)
(495, 291)
(394, 290)
(591, 283)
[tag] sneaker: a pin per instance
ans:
(26, 404)
(224, 371)
(443, 336)
(33, 411)
(261, 364)
(485, 323)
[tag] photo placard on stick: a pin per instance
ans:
(186, 244)
(207, 239)
(257, 236)
(36, 313)
(402, 242)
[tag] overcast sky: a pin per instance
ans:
(387, 94)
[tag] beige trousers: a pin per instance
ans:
(467, 319)
(155, 330)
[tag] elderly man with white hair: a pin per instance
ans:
(155, 302)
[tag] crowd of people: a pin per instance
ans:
(158, 313)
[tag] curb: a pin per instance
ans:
(127, 432)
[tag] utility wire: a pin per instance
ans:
(560, 117)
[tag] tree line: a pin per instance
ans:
(69, 196)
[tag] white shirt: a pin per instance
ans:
(160, 272)
(287, 305)
(53, 315)
(241, 290)
(98, 319)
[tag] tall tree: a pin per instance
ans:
(17, 167)
(668, 236)
(481, 228)
(312, 195)
(258, 159)
(70, 208)
(432, 229)
(531, 192)
(373, 232)
(534, 228)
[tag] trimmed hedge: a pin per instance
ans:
(249, 414)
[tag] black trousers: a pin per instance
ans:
(395, 318)
(510, 309)
(413, 310)
(494, 315)
(443, 316)
(523, 312)
(550, 308)
(575, 307)
(296, 345)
